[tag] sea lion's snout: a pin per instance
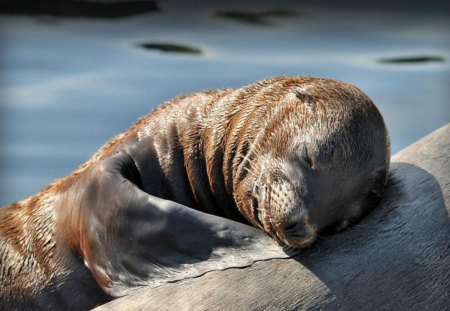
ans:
(289, 198)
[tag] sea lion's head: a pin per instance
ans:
(319, 164)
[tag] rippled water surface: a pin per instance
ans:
(67, 84)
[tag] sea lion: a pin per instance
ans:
(292, 156)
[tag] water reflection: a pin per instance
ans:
(67, 87)
(75, 8)
(411, 59)
(263, 18)
(171, 48)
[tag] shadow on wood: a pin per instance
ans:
(396, 258)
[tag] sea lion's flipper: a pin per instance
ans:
(132, 239)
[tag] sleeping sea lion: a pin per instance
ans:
(296, 157)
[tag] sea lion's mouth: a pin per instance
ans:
(257, 215)
(299, 234)
(302, 242)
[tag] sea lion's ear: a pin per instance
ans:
(129, 238)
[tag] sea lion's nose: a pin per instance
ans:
(296, 230)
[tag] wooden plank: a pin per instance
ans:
(397, 258)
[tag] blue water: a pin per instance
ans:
(69, 84)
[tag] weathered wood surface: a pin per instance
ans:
(398, 258)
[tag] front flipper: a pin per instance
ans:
(129, 238)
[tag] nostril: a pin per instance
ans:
(290, 227)
(295, 230)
